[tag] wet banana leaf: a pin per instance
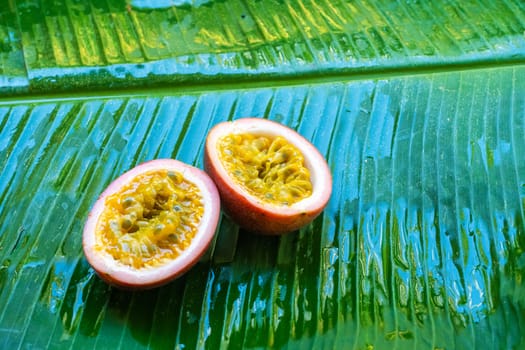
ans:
(418, 107)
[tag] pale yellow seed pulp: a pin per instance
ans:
(269, 168)
(150, 220)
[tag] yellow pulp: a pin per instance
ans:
(270, 168)
(150, 220)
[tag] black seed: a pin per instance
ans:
(128, 202)
(126, 223)
(175, 177)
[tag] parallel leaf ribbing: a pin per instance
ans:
(48, 45)
(420, 246)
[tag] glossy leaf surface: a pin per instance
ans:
(419, 109)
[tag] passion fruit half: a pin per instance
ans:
(270, 178)
(151, 224)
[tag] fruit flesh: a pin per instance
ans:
(270, 168)
(150, 220)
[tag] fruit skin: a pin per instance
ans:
(252, 213)
(126, 277)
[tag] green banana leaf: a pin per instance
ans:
(418, 107)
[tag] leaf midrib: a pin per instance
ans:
(257, 81)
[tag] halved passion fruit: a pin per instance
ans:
(151, 224)
(271, 179)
